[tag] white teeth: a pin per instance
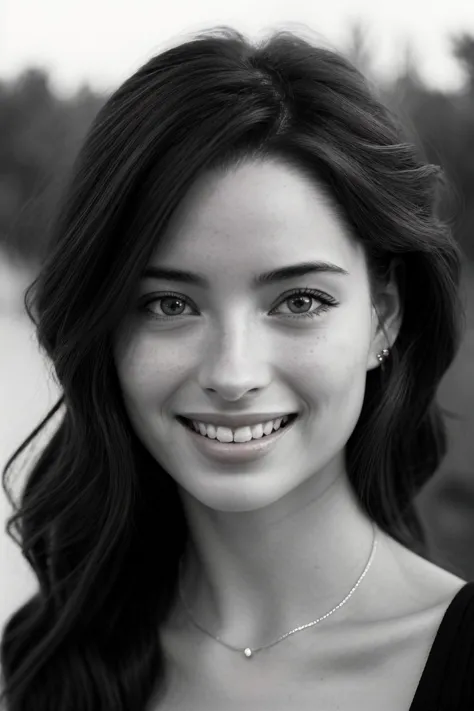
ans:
(241, 434)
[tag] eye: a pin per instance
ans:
(305, 296)
(171, 301)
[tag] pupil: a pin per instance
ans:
(175, 303)
(304, 299)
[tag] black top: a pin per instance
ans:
(447, 682)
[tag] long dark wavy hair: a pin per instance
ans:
(100, 521)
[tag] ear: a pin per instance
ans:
(387, 313)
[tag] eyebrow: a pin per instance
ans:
(276, 275)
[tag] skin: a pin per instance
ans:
(280, 541)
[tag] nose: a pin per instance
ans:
(235, 369)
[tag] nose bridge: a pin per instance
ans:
(235, 355)
(235, 337)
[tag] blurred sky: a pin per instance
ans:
(104, 41)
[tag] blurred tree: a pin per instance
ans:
(358, 48)
(441, 123)
(463, 50)
(39, 137)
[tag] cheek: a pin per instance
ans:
(149, 374)
(135, 369)
(345, 392)
(330, 359)
(332, 379)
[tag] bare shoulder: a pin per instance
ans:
(424, 582)
(385, 650)
(376, 648)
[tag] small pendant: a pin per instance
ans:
(248, 652)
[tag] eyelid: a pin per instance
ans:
(311, 292)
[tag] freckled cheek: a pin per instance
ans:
(150, 374)
(326, 368)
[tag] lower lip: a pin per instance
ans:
(237, 452)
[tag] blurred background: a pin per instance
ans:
(58, 63)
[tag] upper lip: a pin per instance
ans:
(234, 421)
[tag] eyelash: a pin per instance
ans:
(328, 302)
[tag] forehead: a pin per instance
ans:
(258, 215)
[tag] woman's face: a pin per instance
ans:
(231, 345)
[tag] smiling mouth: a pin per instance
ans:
(188, 424)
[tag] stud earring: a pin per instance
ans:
(382, 356)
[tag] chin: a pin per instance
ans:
(237, 493)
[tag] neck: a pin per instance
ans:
(250, 577)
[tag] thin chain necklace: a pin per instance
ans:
(247, 651)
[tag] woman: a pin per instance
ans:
(249, 302)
